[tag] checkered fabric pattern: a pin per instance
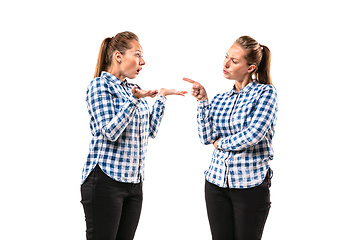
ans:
(244, 121)
(120, 125)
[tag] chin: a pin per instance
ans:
(227, 77)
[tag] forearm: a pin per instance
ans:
(156, 115)
(240, 141)
(207, 133)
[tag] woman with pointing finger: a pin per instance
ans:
(121, 124)
(240, 124)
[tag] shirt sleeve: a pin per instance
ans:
(101, 107)
(263, 116)
(206, 131)
(156, 115)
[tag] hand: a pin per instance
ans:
(138, 93)
(197, 90)
(164, 92)
(215, 143)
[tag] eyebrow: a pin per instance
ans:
(231, 57)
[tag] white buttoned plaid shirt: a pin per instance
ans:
(120, 125)
(244, 121)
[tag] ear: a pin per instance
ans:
(118, 56)
(251, 68)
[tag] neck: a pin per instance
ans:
(117, 74)
(239, 84)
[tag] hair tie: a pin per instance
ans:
(261, 47)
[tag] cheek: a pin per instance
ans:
(240, 70)
(235, 70)
(134, 64)
(130, 65)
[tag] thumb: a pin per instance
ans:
(133, 90)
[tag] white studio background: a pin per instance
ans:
(48, 56)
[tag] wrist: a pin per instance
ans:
(202, 99)
(137, 97)
(162, 92)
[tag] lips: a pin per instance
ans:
(225, 72)
(138, 70)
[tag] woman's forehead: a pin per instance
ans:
(236, 51)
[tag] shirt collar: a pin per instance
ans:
(114, 79)
(245, 89)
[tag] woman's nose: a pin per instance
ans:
(226, 63)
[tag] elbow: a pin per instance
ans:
(110, 136)
(206, 141)
(111, 139)
(152, 133)
(203, 142)
(254, 139)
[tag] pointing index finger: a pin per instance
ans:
(189, 80)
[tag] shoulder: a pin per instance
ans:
(264, 88)
(96, 82)
(266, 95)
(100, 84)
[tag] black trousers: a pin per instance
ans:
(112, 209)
(237, 214)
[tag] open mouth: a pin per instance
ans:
(138, 71)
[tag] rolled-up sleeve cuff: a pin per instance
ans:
(202, 104)
(161, 98)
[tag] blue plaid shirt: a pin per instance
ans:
(245, 123)
(121, 125)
